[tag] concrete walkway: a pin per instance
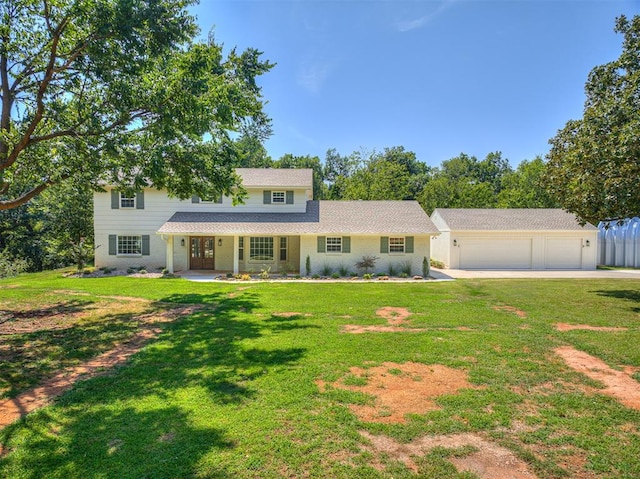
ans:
(574, 274)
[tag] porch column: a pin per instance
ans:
(236, 256)
(169, 241)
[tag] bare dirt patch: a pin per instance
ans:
(400, 389)
(26, 402)
(511, 309)
(356, 329)
(490, 461)
(586, 327)
(286, 314)
(618, 384)
(394, 316)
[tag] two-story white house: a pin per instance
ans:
(278, 226)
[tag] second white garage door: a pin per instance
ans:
(496, 253)
(563, 253)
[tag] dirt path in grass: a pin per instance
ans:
(586, 327)
(14, 408)
(618, 384)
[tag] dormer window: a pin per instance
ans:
(278, 197)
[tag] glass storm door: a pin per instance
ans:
(202, 254)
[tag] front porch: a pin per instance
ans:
(236, 254)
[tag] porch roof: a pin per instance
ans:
(321, 217)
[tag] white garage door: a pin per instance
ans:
(495, 253)
(563, 253)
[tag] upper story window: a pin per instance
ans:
(334, 244)
(127, 201)
(396, 245)
(278, 197)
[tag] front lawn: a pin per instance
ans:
(306, 380)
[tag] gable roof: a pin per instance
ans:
(320, 217)
(509, 219)
(276, 177)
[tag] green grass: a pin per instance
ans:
(229, 391)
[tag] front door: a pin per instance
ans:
(201, 252)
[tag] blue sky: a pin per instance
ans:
(439, 77)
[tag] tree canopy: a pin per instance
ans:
(594, 162)
(116, 91)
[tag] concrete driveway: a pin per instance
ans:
(576, 274)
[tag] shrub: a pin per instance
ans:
(403, 275)
(367, 276)
(434, 262)
(142, 271)
(392, 270)
(264, 272)
(326, 270)
(353, 274)
(307, 265)
(343, 270)
(368, 262)
(405, 268)
(335, 275)
(316, 276)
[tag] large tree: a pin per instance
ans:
(116, 91)
(594, 162)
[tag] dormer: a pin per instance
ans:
(278, 189)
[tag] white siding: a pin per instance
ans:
(158, 208)
(361, 246)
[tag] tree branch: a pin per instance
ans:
(48, 75)
(9, 204)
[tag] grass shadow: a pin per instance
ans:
(630, 295)
(148, 419)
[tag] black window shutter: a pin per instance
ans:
(322, 244)
(408, 244)
(115, 200)
(145, 245)
(195, 199)
(219, 199)
(266, 197)
(289, 197)
(140, 200)
(112, 244)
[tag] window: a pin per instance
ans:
(241, 248)
(212, 199)
(283, 248)
(261, 248)
(396, 245)
(127, 201)
(129, 245)
(278, 197)
(334, 244)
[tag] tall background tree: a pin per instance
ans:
(116, 91)
(594, 162)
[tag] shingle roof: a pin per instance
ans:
(512, 219)
(276, 177)
(321, 217)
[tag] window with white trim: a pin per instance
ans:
(278, 197)
(129, 245)
(261, 248)
(334, 244)
(283, 248)
(127, 201)
(396, 245)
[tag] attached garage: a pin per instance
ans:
(512, 239)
